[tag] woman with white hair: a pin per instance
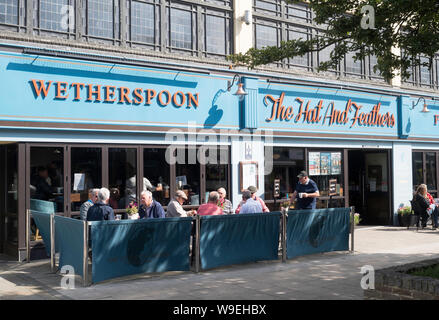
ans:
(223, 203)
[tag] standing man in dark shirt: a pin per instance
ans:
(306, 192)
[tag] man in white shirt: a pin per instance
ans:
(175, 209)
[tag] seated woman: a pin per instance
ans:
(420, 204)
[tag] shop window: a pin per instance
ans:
(86, 174)
(287, 163)
(188, 175)
(156, 170)
(325, 168)
(123, 177)
(47, 175)
(424, 166)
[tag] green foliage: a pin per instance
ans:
(411, 25)
(432, 272)
(405, 210)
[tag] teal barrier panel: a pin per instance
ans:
(315, 231)
(42, 206)
(42, 221)
(69, 237)
(127, 247)
(233, 239)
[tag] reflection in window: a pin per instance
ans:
(51, 14)
(143, 20)
(287, 163)
(217, 171)
(12, 178)
(353, 68)
(47, 172)
(418, 175)
(430, 165)
(266, 36)
(86, 174)
(9, 11)
(122, 177)
(188, 176)
(101, 20)
(215, 34)
(180, 28)
(157, 171)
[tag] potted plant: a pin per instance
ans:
(357, 219)
(405, 214)
(133, 210)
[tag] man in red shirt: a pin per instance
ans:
(211, 207)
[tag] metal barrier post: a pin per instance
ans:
(352, 216)
(284, 236)
(52, 243)
(85, 261)
(197, 244)
(27, 235)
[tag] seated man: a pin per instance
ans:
(249, 204)
(92, 199)
(175, 208)
(149, 208)
(101, 210)
(225, 204)
(253, 191)
(211, 207)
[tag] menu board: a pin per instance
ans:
(325, 163)
(314, 163)
(335, 163)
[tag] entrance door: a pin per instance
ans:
(369, 186)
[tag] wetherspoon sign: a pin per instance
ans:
(303, 111)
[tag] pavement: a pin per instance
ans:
(334, 275)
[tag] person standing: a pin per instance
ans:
(211, 208)
(101, 210)
(223, 203)
(175, 206)
(306, 192)
(92, 199)
(149, 208)
(249, 205)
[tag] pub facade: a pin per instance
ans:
(130, 120)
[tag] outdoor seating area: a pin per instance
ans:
(120, 248)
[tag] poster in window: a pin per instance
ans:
(335, 163)
(325, 163)
(314, 163)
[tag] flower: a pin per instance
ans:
(405, 210)
(132, 208)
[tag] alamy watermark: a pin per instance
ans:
(368, 19)
(68, 278)
(368, 279)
